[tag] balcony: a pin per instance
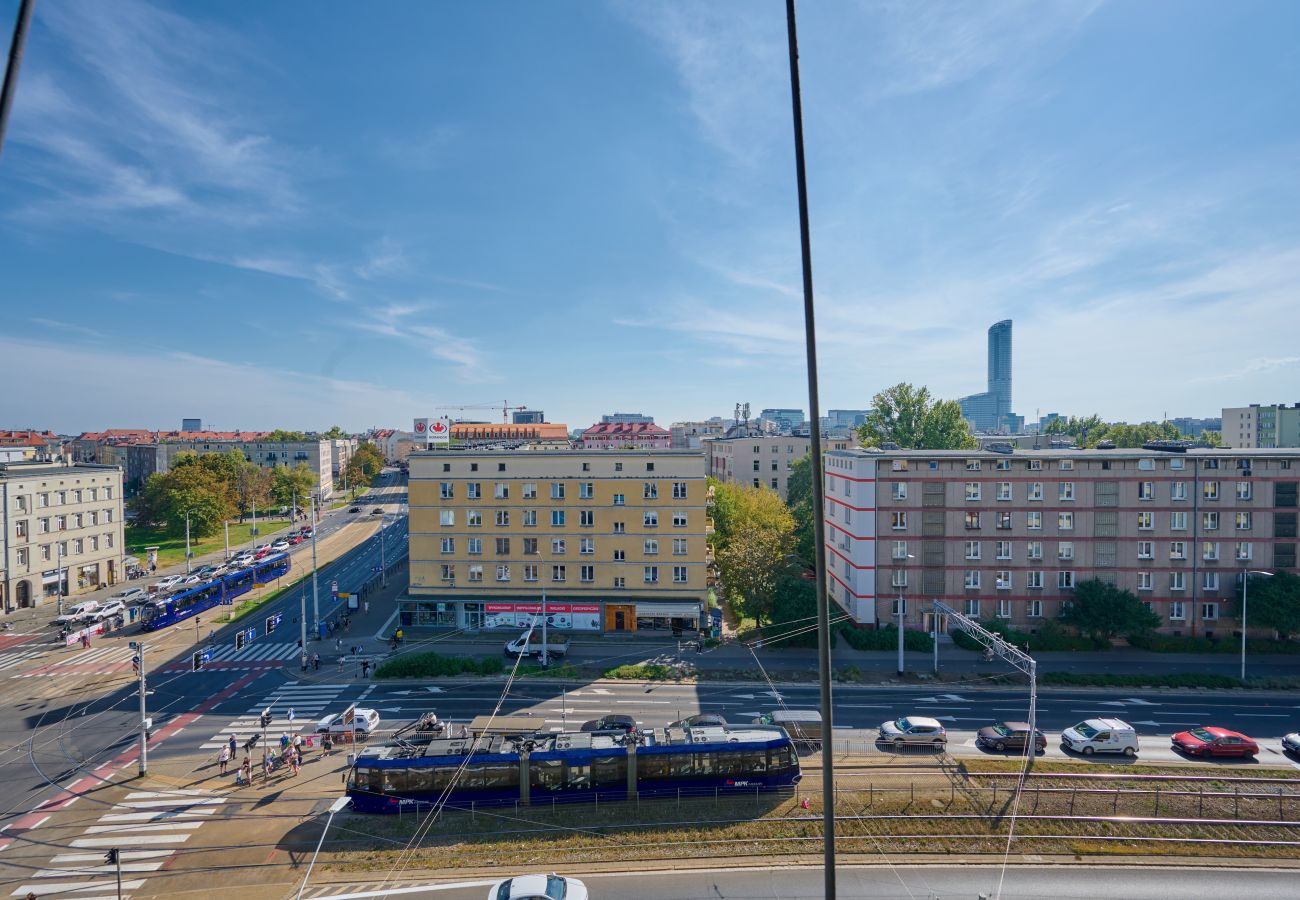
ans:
(708, 526)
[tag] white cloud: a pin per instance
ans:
(402, 322)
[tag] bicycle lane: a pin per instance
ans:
(69, 795)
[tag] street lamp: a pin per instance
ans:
(900, 611)
(1245, 580)
(336, 806)
(187, 540)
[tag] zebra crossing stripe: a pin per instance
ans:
(68, 886)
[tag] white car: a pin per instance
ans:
(1291, 742)
(538, 887)
(913, 730)
(168, 581)
(106, 609)
(280, 546)
(131, 595)
(364, 722)
(78, 612)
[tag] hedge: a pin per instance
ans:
(885, 638)
(428, 665)
(1178, 679)
(1050, 636)
(1165, 643)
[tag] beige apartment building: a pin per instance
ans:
(58, 519)
(1009, 535)
(613, 539)
(762, 460)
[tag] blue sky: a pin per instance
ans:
(299, 215)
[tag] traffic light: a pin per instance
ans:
(196, 662)
(266, 717)
(271, 623)
(111, 857)
(239, 641)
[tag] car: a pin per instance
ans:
(1291, 742)
(242, 560)
(193, 578)
(616, 722)
(1009, 736)
(1101, 736)
(700, 720)
(306, 532)
(168, 581)
(280, 545)
(263, 553)
(364, 721)
(377, 511)
(77, 613)
(913, 730)
(295, 539)
(538, 887)
(352, 509)
(206, 571)
(131, 595)
(106, 610)
(1211, 740)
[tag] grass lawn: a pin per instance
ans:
(171, 550)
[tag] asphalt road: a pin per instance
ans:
(908, 883)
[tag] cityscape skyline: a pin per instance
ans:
(356, 260)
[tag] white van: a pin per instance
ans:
(77, 613)
(1101, 736)
(804, 726)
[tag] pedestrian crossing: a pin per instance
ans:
(308, 702)
(96, 661)
(270, 655)
(160, 821)
(18, 656)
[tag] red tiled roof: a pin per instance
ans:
(27, 437)
(626, 429)
(111, 433)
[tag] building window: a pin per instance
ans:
(650, 547)
(557, 518)
(972, 465)
(586, 490)
(448, 572)
(1176, 613)
(619, 556)
(446, 490)
(619, 500)
(1244, 551)
(899, 490)
(501, 491)
(1003, 465)
(619, 527)
(558, 546)
(1210, 550)
(530, 490)
(1036, 490)
(650, 491)
(22, 556)
(1243, 521)
(679, 547)
(1004, 608)
(1035, 465)
(474, 546)
(1065, 521)
(557, 490)
(503, 546)
(1210, 489)
(1146, 521)
(530, 518)
(972, 520)
(972, 579)
(1178, 521)
(446, 517)
(620, 581)
(679, 520)
(1034, 520)
(1034, 580)
(1243, 490)
(899, 465)
(1065, 550)
(1177, 550)
(899, 578)
(1146, 490)
(530, 572)
(474, 518)
(1178, 490)
(557, 573)
(1034, 550)
(1004, 489)
(972, 490)
(651, 574)
(1177, 581)
(473, 490)
(972, 549)
(530, 546)
(587, 546)
(1034, 609)
(1067, 465)
(503, 573)
(503, 518)
(1146, 464)
(900, 550)
(1004, 580)
(475, 573)
(586, 518)
(1211, 581)
(650, 519)
(1065, 490)
(1209, 611)
(448, 545)
(898, 521)
(1065, 581)
(42, 500)
(20, 528)
(1210, 521)
(1144, 581)
(1146, 550)
(971, 607)
(758, 466)
(679, 575)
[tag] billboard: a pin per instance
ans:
(440, 430)
(421, 429)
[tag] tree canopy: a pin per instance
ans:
(1273, 602)
(1089, 431)
(281, 435)
(914, 420)
(288, 483)
(1103, 611)
(335, 433)
(752, 537)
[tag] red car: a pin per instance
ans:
(1211, 740)
(296, 539)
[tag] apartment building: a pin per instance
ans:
(1009, 535)
(1261, 426)
(621, 435)
(614, 540)
(58, 519)
(762, 460)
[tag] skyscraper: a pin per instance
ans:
(991, 410)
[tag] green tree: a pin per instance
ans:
(1103, 611)
(798, 496)
(737, 507)
(751, 565)
(335, 433)
(252, 488)
(367, 459)
(914, 420)
(794, 612)
(1274, 602)
(287, 483)
(281, 435)
(1210, 439)
(190, 488)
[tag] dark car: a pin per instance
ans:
(1009, 736)
(377, 511)
(1210, 740)
(700, 720)
(616, 722)
(354, 509)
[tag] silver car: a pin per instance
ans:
(913, 730)
(1291, 742)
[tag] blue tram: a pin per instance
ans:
(219, 591)
(572, 766)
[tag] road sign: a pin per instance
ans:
(334, 590)
(135, 664)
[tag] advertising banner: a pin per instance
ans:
(440, 430)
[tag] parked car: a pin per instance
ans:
(1291, 742)
(615, 722)
(206, 572)
(280, 546)
(353, 509)
(538, 887)
(193, 578)
(1211, 740)
(263, 553)
(168, 581)
(242, 560)
(530, 644)
(77, 612)
(131, 595)
(1009, 736)
(296, 539)
(913, 730)
(364, 722)
(377, 511)
(701, 720)
(1101, 736)
(106, 610)
(306, 532)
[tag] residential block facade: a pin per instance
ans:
(615, 539)
(762, 460)
(1010, 535)
(1261, 426)
(58, 518)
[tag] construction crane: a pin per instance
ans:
(505, 408)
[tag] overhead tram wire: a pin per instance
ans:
(16, 47)
(814, 413)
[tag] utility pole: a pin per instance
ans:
(383, 567)
(254, 519)
(545, 659)
(315, 590)
(227, 524)
(58, 573)
(187, 542)
(114, 857)
(144, 721)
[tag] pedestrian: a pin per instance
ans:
(294, 762)
(338, 644)
(366, 606)
(224, 759)
(284, 742)
(340, 665)
(234, 746)
(365, 668)
(304, 660)
(315, 662)
(326, 745)
(267, 765)
(347, 624)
